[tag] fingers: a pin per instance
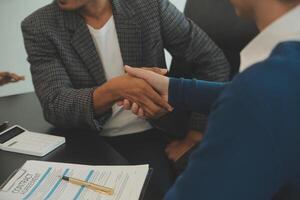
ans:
(4, 74)
(144, 96)
(141, 113)
(127, 104)
(6, 77)
(150, 109)
(146, 108)
(157, 70)
(152, 103)
(146, 90)
(175, 150)
(139, 73)
(158, 82)
(158, 100)
(15, 77)
(120, 103)
(149, 76)
(135, 108)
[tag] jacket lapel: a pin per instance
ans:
(129, 33)
(84, 45)
(129, 36)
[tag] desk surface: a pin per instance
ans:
(25, 111)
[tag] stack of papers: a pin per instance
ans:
(38, 180)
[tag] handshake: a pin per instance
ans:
(148, 96)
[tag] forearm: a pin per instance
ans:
(194, 95)
(70, 108)
(104, 97)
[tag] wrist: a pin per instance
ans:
(104, 98)
(112, 88)
(166, 88)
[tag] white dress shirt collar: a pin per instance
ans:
(286, 28)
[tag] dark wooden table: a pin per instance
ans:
(82, 147)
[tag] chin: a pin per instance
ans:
(244, 14)
(242, 9)
(67, 6)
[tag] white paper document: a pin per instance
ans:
(37, 180)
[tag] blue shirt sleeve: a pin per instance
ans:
(237, 158)
(194, 95)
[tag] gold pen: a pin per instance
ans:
(92, 186)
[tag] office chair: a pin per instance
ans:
(218, 19)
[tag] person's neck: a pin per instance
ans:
(266, 12)
(97, 13)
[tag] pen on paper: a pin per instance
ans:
(92, 186)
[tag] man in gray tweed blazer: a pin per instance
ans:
(78, 86)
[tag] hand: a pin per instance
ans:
(159, 82)
(139, 91)
(156, 70)
(6, 77)
(176, 149)
(133, 106)
(136, 109)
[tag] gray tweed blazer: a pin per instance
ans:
(66, 68)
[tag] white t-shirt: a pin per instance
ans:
(122, 121)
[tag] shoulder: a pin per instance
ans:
(42, 18)
(149, 7)
(282, 66)
(274, 79)
(147, 13)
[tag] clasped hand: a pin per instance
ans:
(156, 78)
(6, 77)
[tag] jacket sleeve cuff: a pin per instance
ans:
(175, 87)
(98, 122)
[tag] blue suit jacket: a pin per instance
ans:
(251, 150)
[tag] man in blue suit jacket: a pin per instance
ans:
(251, 148)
